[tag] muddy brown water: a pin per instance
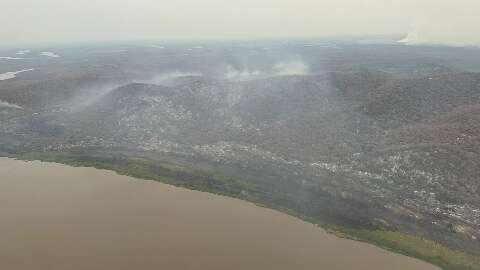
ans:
(58, 217)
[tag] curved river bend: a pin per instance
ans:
(58, 217)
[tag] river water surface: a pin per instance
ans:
(57, 217)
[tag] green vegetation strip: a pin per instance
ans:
(180, 176)
(411, 246)
(149, 170)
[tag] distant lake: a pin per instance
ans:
(58, 217)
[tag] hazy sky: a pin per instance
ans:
(454, 22)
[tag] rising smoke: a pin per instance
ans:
(286, 68)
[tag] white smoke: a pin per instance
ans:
(168, 78)
(93, 94)
(22, 52)
(50, 54)
(12, 74)
(12, 58)
(4, 104)
(412, 38)
(233, 74)
(453, 23)
(286, 68)
(156, 46)
(89, 96)
(291, 68)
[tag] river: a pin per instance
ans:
(58, 217)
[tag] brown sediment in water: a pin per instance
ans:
(58, 217)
